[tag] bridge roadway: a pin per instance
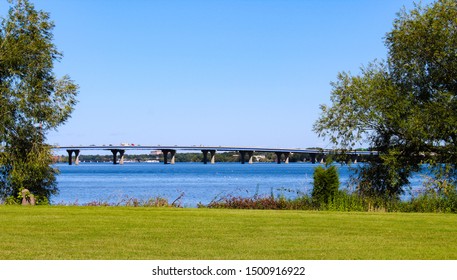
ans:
(315, 154)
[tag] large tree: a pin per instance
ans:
(406, 107)
(32, 101)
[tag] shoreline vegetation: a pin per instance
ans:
(342, 201)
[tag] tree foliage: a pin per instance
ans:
(326, 184)
(406, 107)
(32, 101)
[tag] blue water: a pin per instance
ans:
(199, 183)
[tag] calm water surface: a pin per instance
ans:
(105, 182)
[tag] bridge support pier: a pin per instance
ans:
(313, 158)
(165, 156)
(70, 156)
(213, 156)
(320, 158)
(205, 156)
(286, 157)
(278, 157)
(121, 156)
(354, 158)
(243, 156)
(250, 154)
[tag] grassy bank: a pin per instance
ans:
(52, 232)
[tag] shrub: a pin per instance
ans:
(326, 184)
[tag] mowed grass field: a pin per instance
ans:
(75, 232)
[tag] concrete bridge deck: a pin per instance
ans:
(315, 154)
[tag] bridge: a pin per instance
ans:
(282, 154)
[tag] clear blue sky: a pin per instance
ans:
(236, 73)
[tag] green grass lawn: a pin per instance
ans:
(74, 232)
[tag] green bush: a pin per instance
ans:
(326, 184)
